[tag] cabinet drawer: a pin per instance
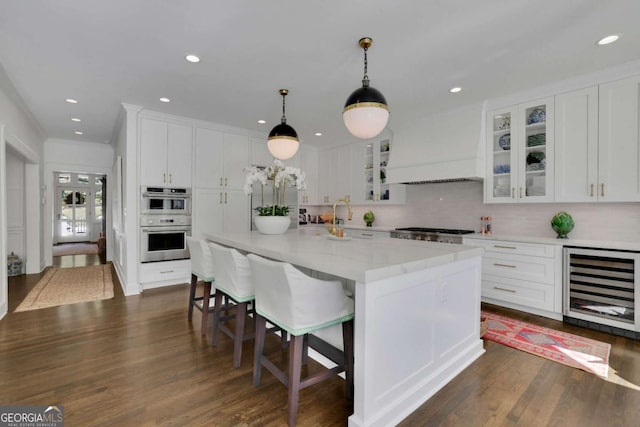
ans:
(366, 234)
(517, 248)
(522, 267)
(517, 291)
(171, 271)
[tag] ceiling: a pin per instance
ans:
(103, 53)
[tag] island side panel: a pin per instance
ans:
(413, 334)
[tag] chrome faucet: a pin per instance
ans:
(334, 230)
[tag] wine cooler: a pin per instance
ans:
(601, 291)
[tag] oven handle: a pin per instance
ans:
(166, 196)
(165, 229)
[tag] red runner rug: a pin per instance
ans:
(568, 349)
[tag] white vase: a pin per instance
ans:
(272, 224)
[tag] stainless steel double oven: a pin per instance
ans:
(165, 223)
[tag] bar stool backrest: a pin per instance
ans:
(233, 272)
(201, 259)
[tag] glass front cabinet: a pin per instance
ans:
(376, 188)
(520, 153)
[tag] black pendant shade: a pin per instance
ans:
(365, 95)
(283, 131)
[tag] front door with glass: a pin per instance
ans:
(71, 217)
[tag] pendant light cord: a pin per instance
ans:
(284, 118)
(365, 78)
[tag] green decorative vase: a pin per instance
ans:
(369, 218)
(562, 223)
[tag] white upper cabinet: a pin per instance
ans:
(619, 141)
(309, 165)
(220, 159)
(165, 153)
(520, 153)
(576, 171)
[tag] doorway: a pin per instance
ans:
(79, 218)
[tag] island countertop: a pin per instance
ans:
(362, 260)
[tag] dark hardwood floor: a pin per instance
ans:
(138, 361)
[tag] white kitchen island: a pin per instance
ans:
(417, 320)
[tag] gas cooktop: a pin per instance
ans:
(444, 235)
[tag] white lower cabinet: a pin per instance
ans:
(157, 274)
(522, 276)
(216, 210)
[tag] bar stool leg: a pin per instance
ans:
(205, 307)
(241, 314)
(295, 368)
(217, 310)
(261, 328)
(192, 295)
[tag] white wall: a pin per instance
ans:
(15, 203)
(22, 133)
(460, 205)
(73, 156)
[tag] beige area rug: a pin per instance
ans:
(60, 286)
(75, 249)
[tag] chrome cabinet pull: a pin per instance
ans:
(503, 289)
(521, 192)
(225, 181)
(164, 178)
(504, 265)
(225, 198)
(170, 178)
(220, 197)
(591, 190)
(220, 181)
(504, 247)
(601, 190)
(513, 192)
(166, 272)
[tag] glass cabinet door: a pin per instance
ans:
(502, 144)
(536, 151)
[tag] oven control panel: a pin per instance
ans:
(161, 220)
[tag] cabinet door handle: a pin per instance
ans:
(220, 197)
(367, 234)
(170, 177)
(166, 272)
(164, 178)
(225, 181)
(504, 247)
(503, 289)
(591, 190)
(504, 265)
(225, 198)
(220, 181)
(601, 190)
(513, 192)
(521, 192)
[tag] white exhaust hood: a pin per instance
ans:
(446, 147)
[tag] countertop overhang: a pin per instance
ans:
(362, 260)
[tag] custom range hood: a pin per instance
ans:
(441, 148)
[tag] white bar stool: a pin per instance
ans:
(298, 304)
(233, 281)
(201, 269)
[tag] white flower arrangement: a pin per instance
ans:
(281, 176)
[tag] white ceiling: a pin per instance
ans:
(105, 52)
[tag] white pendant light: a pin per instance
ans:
(366, 112)
(283, 139)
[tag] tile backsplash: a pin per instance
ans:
(459, 205)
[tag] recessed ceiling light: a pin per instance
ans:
(75, 119)
(71, 101)
(192, 58)
(165, 100)
(262, 122)
(318, 133)
(78, 132)
(455, 89)
(608, 39)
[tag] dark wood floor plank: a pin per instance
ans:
(138, 361)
